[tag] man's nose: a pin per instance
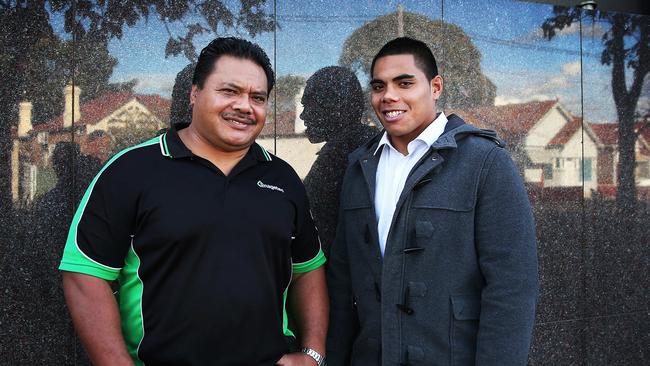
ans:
(390, 95)
(242, 103)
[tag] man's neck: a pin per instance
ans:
(223, 159)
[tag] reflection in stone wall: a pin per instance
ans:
(500, 73)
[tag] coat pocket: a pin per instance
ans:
(465, 314)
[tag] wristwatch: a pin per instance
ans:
(320, 360)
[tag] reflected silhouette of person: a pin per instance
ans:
(333, 104)
(47, 319)
(181, 108)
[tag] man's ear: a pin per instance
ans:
(193, 93)
(436, 86)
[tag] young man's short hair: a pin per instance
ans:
(235, 47)
(408, 46)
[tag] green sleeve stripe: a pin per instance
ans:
(285, 318)
(130, 300)
(92, 270)
(311, 264)
(74, 258)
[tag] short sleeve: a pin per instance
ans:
(101, 229)
(306, 251)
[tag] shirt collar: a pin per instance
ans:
(428, 136)
(172, 146)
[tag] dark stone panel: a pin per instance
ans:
(618, 340)
(558, 343)
(561, 261)
(617, 277)
(36, 328)
(608, 340)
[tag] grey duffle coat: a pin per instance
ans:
(458, 281)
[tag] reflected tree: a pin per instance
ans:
(458, 58)
(626, 49)
(36, 63)
(36, 60)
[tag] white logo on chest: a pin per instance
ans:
(268, 186)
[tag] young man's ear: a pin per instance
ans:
(436, 86)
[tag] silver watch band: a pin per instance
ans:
(320, 360)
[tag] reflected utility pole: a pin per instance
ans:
(400, 20)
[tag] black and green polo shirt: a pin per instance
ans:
(203, 260)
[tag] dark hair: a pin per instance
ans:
(404, 45)
(235, 47)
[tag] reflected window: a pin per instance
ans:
(548, 171)
(42, 138)
(643, 170)
(585, 169)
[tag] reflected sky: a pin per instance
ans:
(515, 56)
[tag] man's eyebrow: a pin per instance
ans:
(376, 81)
(235, 86)
(259, 92)
(232, 85)
(403, 76)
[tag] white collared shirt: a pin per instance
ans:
(394, 168)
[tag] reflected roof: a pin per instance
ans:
(99, 108)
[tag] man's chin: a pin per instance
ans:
(314, 138)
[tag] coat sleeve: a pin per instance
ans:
(507, 253)
(344, 323)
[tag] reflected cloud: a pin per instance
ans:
(521, 88)
(594, 30)
(571, 68)
(161, 83)
(505, 99)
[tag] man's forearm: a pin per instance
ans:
(308, 296)
(96, 318)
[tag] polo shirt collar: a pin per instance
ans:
(428, 136)
(172, 146)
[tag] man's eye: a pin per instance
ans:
(228, 91)
(259, 99)
(376, 87)
(405, 83)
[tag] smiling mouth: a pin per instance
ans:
(391, 115)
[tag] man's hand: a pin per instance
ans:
(296, 359)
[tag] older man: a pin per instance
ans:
(207, 234)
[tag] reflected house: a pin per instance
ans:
(608, 158)
(545, 141)
(99, 124)
(292, 144)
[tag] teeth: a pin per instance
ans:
(392, 114)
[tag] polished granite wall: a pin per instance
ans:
(500, 73)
